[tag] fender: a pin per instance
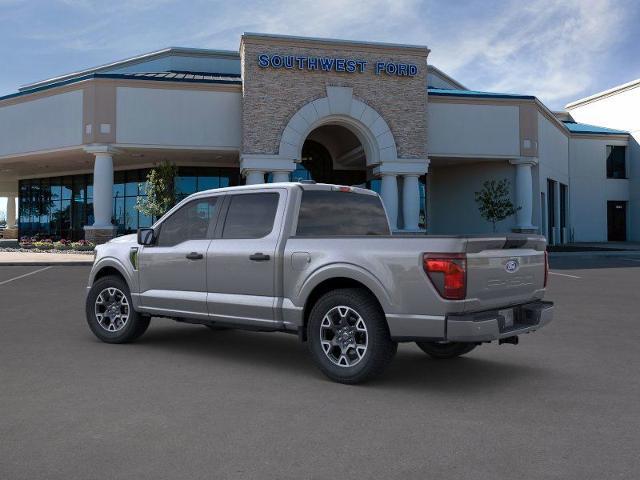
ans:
(345, 270)
(127, 273)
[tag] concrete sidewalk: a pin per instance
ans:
(44, 259)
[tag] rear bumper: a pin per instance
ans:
(490, 325)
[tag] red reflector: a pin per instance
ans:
(448, 274)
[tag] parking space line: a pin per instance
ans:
(25, 275)
(564, 275)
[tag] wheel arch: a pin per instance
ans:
(111, 266)
(333, 279)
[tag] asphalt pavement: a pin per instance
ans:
(185, 402)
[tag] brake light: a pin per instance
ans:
(546, 268)
(342, 189)
(448, 274)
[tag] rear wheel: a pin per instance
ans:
(348, 336)
(110, 313)
(444, 350)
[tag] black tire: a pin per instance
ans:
(135, 325)
(380, 349)
(443, 351)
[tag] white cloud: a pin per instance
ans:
(547, 48)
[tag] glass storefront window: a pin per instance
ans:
(59, 207)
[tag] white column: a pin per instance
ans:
(389, 193)
(11, 212)
(411, 202)
(280, 176)
(254, 177)
(524, 192)
(103, 189)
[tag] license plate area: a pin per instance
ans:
(506, 319)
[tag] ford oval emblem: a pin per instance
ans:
(511, 266)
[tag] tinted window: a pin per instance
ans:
(328, 213)
(190, 222)
(616, 162)
(250, 215)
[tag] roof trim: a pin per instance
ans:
(118, 76)
(133, 61)
(423, 49)
(448, 78)
(443, 92)
(587, 129)
(605, 93)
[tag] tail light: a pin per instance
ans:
(448, 274)
(546, 268)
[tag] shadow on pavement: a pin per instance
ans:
(277, 351)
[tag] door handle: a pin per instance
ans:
(259, 257)
(195, 256)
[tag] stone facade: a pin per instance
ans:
(272, 96)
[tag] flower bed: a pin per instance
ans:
(36, 244)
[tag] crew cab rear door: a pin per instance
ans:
(504, 271)
(242, 261)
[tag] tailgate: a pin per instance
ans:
(503, 271)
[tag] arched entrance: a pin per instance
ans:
(334, 154)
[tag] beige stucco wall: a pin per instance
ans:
(272, 96)
(178, 117)
(45, 123)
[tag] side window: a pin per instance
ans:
(190, 222)
(251, 215)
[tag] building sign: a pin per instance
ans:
(334, 64)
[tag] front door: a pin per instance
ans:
(173, 272)
(242, 259)
(617, 221)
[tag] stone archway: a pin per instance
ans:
(339, 107)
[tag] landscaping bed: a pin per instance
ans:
(46, 245)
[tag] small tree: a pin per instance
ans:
(494, 201)
(160, 190)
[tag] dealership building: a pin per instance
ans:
(75, 150)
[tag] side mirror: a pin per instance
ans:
(146, 236)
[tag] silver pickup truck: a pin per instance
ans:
(318, 261)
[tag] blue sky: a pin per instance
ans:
(557, 50)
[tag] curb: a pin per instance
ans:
(595, 253)
(46, 264)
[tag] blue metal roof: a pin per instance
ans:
(575, 127)
(444, 92)
(188, 77)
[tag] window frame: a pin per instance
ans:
(625, 160)
(277, 219)
(213, 222)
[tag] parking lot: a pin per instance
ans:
(186, 402)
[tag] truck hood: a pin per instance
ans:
(131, 238)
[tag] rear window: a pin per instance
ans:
(331, 213)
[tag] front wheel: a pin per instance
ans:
(444, 350)
(110, 313)
(348, 336)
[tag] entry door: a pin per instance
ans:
(173, 273)
(617, 221)
(242, 259)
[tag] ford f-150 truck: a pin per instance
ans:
(318, 261)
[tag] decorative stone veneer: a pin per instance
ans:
(272, 96)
